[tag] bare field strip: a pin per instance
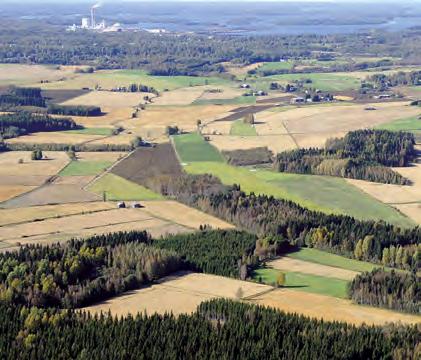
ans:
(100, 156)
(51, 194)
(295, 265)
(275, 143)
(9, 163)
(10, 191)
(108, 99)
(179, 294)
(331, 309)
(182, 214)
(28, 214)
(54, 138)
(22, 180)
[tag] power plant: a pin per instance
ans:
(91, 24)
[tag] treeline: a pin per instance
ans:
(255, 156)
(74, 110)
(361, 154)
(20, 123)
(388, 289)
(20, 96)
(220, 329)
(400, 78)
(40, 43)
(82, 272)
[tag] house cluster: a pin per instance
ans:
(252, 92)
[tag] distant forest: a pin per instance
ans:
(34, 42)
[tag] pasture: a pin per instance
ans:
(117, 188)
(322, 81)
(408, 124)
(193, 148)
(304, 282)
(240, 128)
(91, 131)
(85, 168)
(327, 194)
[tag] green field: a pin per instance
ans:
(407, 124)
(85, 168)
(325, 258)
(127, 77)
(116, 188)
(91, 131)
(240, 128)
(305, 282)
(239, 100)
(192, 148)
(274, 66)
(323, 81)
(322, 193)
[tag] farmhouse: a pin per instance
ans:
(298, 100)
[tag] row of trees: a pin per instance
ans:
(389, 289)
(400, 78)
(20, 96)
(220, 329)
(22, 122)
(80, 273)
(24, 146)
(361, 154)
(74, 110)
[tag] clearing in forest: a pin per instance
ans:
(179, 294)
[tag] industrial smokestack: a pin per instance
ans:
(93, 24)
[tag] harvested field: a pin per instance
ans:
(109, 100)
(147, 162)
(179, 294)
(226, 92)
(10, 191)
(120, 139)
(23, 180)
(413, 211)
(80, 181)
(19, 74)
(51, 194)
(112, 116)
(54, 137)
(330, 309)
(182, 96)
(275, 143)
(9, 165)
(182, 214)
(295, 265)
(28, 214)
(152, 122)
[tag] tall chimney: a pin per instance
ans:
(93, 17)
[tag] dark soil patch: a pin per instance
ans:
(59, 96)
(149, 162)
(241, 112)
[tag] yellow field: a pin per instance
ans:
(240, 70)
(413, 211)
(10, 191)
(107, 99)
(28, 214)
(182, 96)
(179, 294)
(112, 116)
(18, 74)
(275, 143)
(295, 265)
(181, 214)
(9, 163)
(331, 309)
(54, 138)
